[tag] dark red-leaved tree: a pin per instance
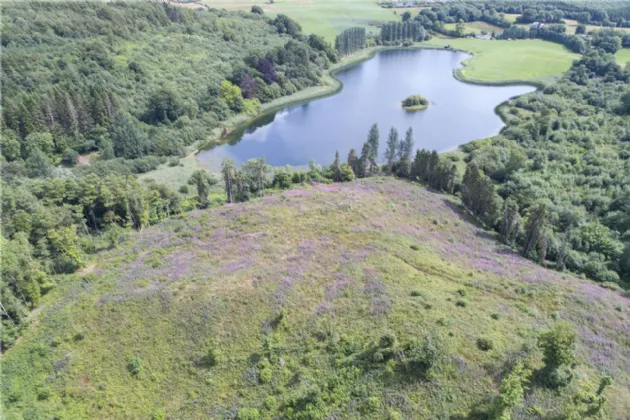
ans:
(266, 68)
(248, 86)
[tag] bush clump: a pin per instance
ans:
(462, 303)
(248, 414)
(415, 102)
(485, 344)
(134, 365)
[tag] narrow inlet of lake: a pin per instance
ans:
(372, 93)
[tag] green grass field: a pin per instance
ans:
(495, 61)
(623, 56)
(308, 279)
(511, 17)
(323, 17)
(572, 24)
(476, 27)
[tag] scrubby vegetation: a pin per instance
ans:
(200, 307)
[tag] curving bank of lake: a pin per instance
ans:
(458, 113)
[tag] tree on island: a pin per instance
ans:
(415, 102)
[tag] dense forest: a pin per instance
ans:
(129, 83)
(77, 76)
(567, 149)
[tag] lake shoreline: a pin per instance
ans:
(332, 85)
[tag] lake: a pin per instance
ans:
(372, 93)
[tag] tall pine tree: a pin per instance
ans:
(373, 138)
(390, 151)
(353, 162)
(364, 161)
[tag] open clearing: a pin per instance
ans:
(476, 27)
(572, 24)
(497, 61)
(623, 56)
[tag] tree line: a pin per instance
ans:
(402, 31)
(350, 41)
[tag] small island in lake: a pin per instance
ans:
(415, 103)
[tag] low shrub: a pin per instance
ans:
(485, 344)
(134, 365)
(370, 405)
(248, 414)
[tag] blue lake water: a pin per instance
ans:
(372, 93)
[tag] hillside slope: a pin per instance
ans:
(275, 307)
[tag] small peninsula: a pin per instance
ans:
(415, 103)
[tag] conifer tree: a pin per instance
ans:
(202, 181)
(414, 172)
(353, 162)
(227, 170)
(452, 175)
(510, 222)
(350, 40)
(336, 168)
(535, 227)
(432, 166)
(390, 151)
(408, 144)
(478, 195)
(373, 138)
(364, 161)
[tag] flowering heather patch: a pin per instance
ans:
(306, 279)
(281, 294)
(377, 292)
(334, 290)
(295, 193)
(236, 265)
